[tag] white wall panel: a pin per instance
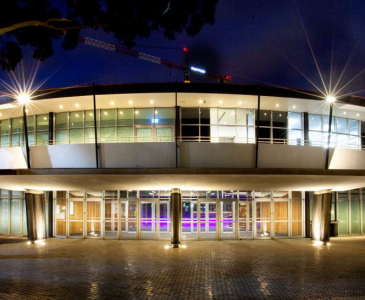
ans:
(13, 158)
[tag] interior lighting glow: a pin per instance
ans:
(121, 112)
(130, 102)
(151, 101)
(112, 103)
(330, 99)
(277, 104)
(77, 115)
(137, 112)
(45, 118)
(156, 112)
(77, 105)
(61, 106)
(105, 113)
(240, 103)
(1, 114)
(357, 115)
(294, 107)
(200, 101)
(220, 101)
(344, 113)
(199, 70)
(91, 114)
(23, 98)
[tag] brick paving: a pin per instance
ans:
(253, 269)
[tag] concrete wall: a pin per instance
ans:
(283, 156)
(191, 155)
(215, 155)
(13, 158)
(138, 155)
(347, 159)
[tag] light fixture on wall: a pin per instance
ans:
(330, 99)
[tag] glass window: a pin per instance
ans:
(30, 123)
(341, 125)
(164, 116)
(295, 120)
(226, 116)
(245, 117)
(5, 127)
(108, 117)
(89, 118)
(108, 134)
(295, 137)
(17, 125)
(265, 118)
(280, 135)
(208, 115)
(325, 123)
(76, 136)
(77, 119)
(189, 115)
(61, 137)
(264, 134)
(279, 119)
(125, 134)
(354, 127)
(61, 120)
(342, 140)
(315, 122)
(42, 138)
(190, 132)
(125, 116)
(42, 122)
(143, 116)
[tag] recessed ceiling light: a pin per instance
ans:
(1, 114)
(277, 104)
(240, 103)
(77, 105)
(294, 107)
(200, 101)
(130, 102)
(358, 115)
(220, 101)
(112, 103)
(156, 112)
(344, 113)
(61, 106)
(151, 101)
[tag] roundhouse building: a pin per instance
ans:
(182, 162)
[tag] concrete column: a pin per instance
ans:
(176, 217)
(321, 216)
(36, 218)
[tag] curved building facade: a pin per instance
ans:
(212, 161)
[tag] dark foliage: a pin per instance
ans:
(37, 23)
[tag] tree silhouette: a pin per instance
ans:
(37, 23)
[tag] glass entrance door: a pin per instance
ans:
(148, 220)
(128, 216)
(227, 219)
(245, 219)
(208, 220)
(189, 220)
(263, 219)
(111, 218)
(165, 219)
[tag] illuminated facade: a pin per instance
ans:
(242, 162)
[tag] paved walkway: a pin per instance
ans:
(97, 269)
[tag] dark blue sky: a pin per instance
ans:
(250, 40)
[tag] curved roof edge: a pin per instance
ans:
(172, 87)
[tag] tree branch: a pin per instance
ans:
(51, 23)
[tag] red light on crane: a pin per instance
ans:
(185, 49)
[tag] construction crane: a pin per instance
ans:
(154, 59)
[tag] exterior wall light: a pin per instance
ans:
(330, 99)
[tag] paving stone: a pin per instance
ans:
(253, 269)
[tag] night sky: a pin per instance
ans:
(253, 41)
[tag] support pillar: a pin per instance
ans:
(176, 218)
(36, 218)
(321, 216)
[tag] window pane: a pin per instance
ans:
(89, 118)
(279, 119)
(61, 137)
(108, 134)
(244, 116)
(164, 134)
(143, 116)
(341, 140)
(42, 138)
(16, 139)
(341, 125)
(17, 125)
(295, 137)
(205, 132)
(108, 117)
(77, 119)
(315, 122)
(125, 134)
(5, 127)
(125, 116)
(315, 138)
(190, 132)
(42, 122)
(325, 122)
(76, 136)
(208, 115)
(189, 115)
(265, 134)
(164, 116)
(354, 142)
(279, 135)
(295, 120)
(227, 131)
(61, 121)
(90, 135)
(226, 116)
(241, 135)
(354, 127)
(30, 123)
(265, 118)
